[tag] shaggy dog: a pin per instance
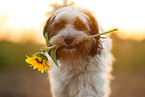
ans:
(84, 65)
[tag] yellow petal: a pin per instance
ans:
(42, 70)
(38, 62)
(35, 66)
(39, 67)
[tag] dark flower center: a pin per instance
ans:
(38, 60)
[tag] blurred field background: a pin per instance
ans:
(21, 35)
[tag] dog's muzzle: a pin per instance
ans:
(68, 40)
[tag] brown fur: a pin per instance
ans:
(83, 47)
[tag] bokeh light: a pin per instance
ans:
(19, 17)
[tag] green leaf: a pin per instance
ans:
(53, 56)
(42, 55)
(44, 49)
(52, 51)
(47, 41)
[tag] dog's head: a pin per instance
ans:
(67, 27)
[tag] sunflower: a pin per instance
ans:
(39, 61)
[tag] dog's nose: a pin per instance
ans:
(68, 40)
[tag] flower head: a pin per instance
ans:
(39, 61)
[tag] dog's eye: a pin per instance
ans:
(60, 24)
(79, 25)
(56, 27)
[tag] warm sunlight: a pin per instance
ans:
(19, 16)
(24, 13)
(127, 15)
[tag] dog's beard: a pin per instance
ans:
(76, 52)
(79, 49)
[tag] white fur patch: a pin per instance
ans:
(69, 14)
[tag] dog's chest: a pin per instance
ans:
(77, 82)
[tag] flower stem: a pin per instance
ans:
(99, 34)
(49, 48)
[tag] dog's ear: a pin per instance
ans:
(94, 29)
(92, 23)
(47, 26)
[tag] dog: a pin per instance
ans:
(84, 64)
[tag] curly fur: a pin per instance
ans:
(84, 65)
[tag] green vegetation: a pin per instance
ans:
(129, 54)
(17, 78)
(13, 55)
